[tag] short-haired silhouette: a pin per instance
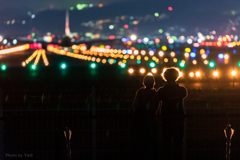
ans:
(145, 107)
(171, 96)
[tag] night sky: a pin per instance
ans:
(191, 13)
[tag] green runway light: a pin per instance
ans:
(93, 65)
(123, 65)
(63, 66)
(239, 64)
(3, 67)
(182, 64)
(211, 64)
(152, 64)
(33, 67)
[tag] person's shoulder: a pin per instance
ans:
(183, 88)
(160, 89)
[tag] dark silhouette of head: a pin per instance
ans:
(149, 81)
(170, 74)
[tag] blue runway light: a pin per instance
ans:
(220, 55)
(234, 51)
(192, 54)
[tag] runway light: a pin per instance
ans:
(226, 56)
(206, 62)
(3, 67)
(154, 70)
(151, 53)
(193, 55)
(152, 64)
(191, 74)
(220, 55)
(233, 73)
(215, 73)
(204, 56)
(123, 65)
(198, 74)
(182, 64)
(172, 54)
(194, 62)
(142, 70)
(186, 55)
(93, 65)
(211, 64)
(33, 67)
(160, 53)
(63, 66)
(130, 70)
(23, 64)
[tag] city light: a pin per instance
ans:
(133, 37)
(123, 65)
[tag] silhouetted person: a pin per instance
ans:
(145, 107)
(171, 96)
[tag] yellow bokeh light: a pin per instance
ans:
(139, 57)
(132, 57)
(206, 62)
(175, 60)
(194, 62)
(164, 48)
(202, 51)
(124, 61)
(104, 61)
(187, 50)
(98, 60)
(146, 58)
(186, 55)
(215, 73)
(23, 64)
(165, 60)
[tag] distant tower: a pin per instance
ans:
(67, 28)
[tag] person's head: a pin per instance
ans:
(170, 74)
(149, 81)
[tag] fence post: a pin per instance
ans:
(185, 131)
(94, 147)
(1, 126)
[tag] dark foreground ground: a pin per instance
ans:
(96, 106)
